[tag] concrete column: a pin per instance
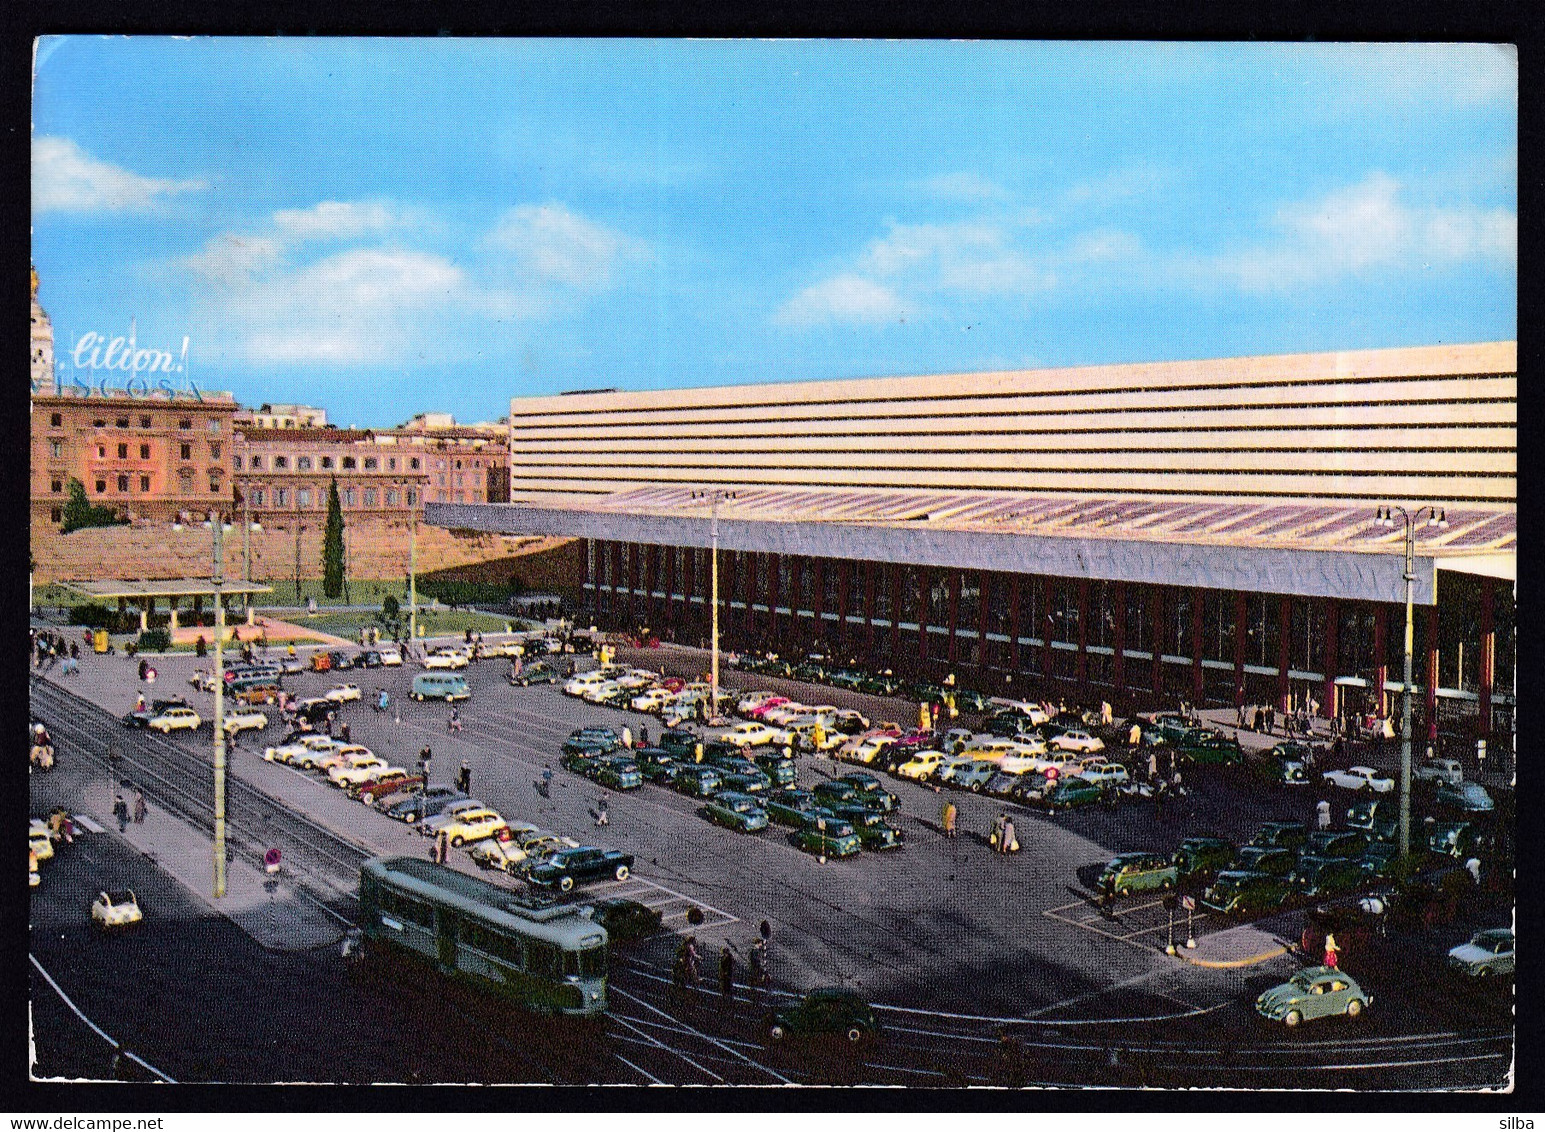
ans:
(1332, 659)
(896, 573)
(1118, 601)
(1488, 655)
(1081, 669)
(869, 591)
(987, 581)
(1014, 620)
(844, 599)
(172, 604)
(1160, 629)
(251, 615)
(144, 619)
(1284, 632)
(775, 592)
(954, 615)
(1196, 645)
(1045, 625)
(1380, 655)
(1432, 673)
(1241, 637)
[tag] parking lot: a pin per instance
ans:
(943, 924)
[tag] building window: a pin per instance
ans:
(144, 422)
(56, 448)
(442, 484)
(391, 463)
(303, 463)
(185, 480)
(214, 425)
(56, 515)
(254, 462)
(371, 463)
(101, 487)
(458, 463)
(144, 451)
(348, 497)
(370, 497)
(327, 461)
(281, 462)
(101, 451)
(413, 463)
(393, 498)
(303, 497)
(348, 463)
(185, 451)
(122, 422)
(185, 423)
(144, 483)
(412, 498)
(236, 462)
(214, 485)
(56, 420)
(281, 497)
(56, 486)
(257, 498)
(458, 479)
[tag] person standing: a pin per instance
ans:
(924, 720)
(948, 821)
(726, 974)
(1239, 717)
(818, 736)
(443, 840)
(1322, 814)
(344, 732)
(759, 976)
(464, 777)
(1332, 952)
(934, 711)
(627, 737)
(139, 806)
(1010, 839)
(121, 812)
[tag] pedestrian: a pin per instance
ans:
(643, 736)
(121, 812)
(627, 738)
(344, 732)
(759, 977)
(934, 711)
(139, 806)
(995, 839)
(602, 814)
(143, 664)
(1153, 765)
(444, 840)
(1331, 950)
(1271, 719)
(949, 819)
(289, 650)
(1010, 839)
(1240, 717)
(1473, 867)
(727, 974)
(454, 723)
(1107, 716)
(1322, 814)
(464, 777)
(818, 736)
(924, 720)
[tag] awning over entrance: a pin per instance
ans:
(150, 588)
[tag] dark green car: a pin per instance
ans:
(1376, 817)
(828, 836)
(735, 811)
(581, 760)
(534, 674)
(681, 744)
(586, 738)
(1315, 878)
(697, 781)
(742, 775)
(1280, 835)
(782, 771)
(845, 678)
(879, 685)
(831, 1010)
(1255, 859)
(1070, 792)
(1241, 893)
(874, 832)
(618, 772)
(871, 792)
(1209, 747)
(1346, 843)
(788, 806)
(1201, 857)
(1138, 872)
(1281, 769)
(625, 920)
(656, 764)
(1461, 839)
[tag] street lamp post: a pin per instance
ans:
(714, 498)
(1386, 518)
(412, 570)
(216, 523)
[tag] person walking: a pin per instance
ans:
(627, 738)
(602, 813)
(1135, 735)
(1239, 717)
(759, 976)
(121, 812)
(924, 720)
(454, 723)
(643, 736)
(139, 806)
(344, 732)
(464, 777)
(1271, 719)
(727, 974)
(1332, 952)
(443, 839)
(1010, 839)
(948, 820)
(1322, 814)
(995, 839)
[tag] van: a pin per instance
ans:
(254, 690)
(440, 686)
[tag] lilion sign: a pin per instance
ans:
(97, 360)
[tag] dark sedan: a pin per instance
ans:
(874, 832)
(425, 805)
(697, 781)
(792, 807)
(568, 867)
(592, 737)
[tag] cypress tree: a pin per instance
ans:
(332, 545)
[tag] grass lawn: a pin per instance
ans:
(346, 623)
(361, 591)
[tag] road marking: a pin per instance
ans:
(641, 1072)
(86, 823)
(118, 1046)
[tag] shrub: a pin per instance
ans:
(390, 608)
(92, 616)
(155, 640)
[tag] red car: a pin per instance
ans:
(918, 738)
(766, 706)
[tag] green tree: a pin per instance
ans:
(80, 513)
(332, 545)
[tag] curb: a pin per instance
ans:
(1226, 963)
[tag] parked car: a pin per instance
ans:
(1489, 953)
(116, 909)
(1281, 769)
(447, 659)
(426, 804)
(681, 745)
(1107, 776)
(625, 920)
(249, 720)
(874, 832)
(966, 772)
(537, 673)
(656, 765)
(1462, 839)
(288, 752)
(1070, 792)
(1076, 739)
(357, 772)
(1138, 872)
(1359, 778)
(1315, 878)
(793, 807)
(440, 686)
(592, 739)
(1463, 797)
(1208, 747)
(175, 719)
(697, 781)
(1201, 857)
(473, 825)
(735, 811)
(1374, 816)
(1280, 835)
(833, 1010)
(453, 810)
(864, 748)
(391, 657)
(1345, 843)
(782, 771)
(342, 693)
(871, 792)
(393, 780)
(502, 852)
(921, 765)
(618, 772)
(1247, 893)
(1315, 992)
(568, 867)
(1255, 859)
(1439, 770)
(828, 837)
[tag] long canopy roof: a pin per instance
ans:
(141, 588)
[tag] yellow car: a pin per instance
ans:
(339, 756)
(474, 825)
(921, 765)
(496, 853)
(38, 840)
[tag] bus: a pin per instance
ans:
(542, 954)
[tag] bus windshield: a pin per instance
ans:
(587, 964)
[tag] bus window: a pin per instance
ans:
(592, 962)
(543, 959)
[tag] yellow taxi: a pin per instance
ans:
(474, 825)
(38, 840)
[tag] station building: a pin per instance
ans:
(1142, 533)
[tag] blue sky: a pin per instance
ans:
(382, 227)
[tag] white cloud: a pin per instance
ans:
(338, 220)
(65, 178)
(965, 187)
(554, 245)
(842, 299)
(230, 259)
(1368, 226)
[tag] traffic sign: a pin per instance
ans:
(271, 860)
(1188, 903)
(1052, 773)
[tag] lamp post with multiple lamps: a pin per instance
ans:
(1385, 517)
(713, 499)
(216, 523)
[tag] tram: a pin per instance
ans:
(545, 956)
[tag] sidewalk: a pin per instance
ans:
(1247, 945)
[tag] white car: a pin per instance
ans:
(1032, 712)
(391, 658)
(864, 748)
(754, 734)
(491, 853)
(115, 910)
(921, 765)
(341, 693)
(249, 720)
(1106, 774)
(576, 685)
(1359, 778)
(287, 752)
(637, 679)
(445, 660)
(784, 714)
(752, 700)
(1075, 740)
(175, 719)
(654, 699)
(325, 758)
(359, 772)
